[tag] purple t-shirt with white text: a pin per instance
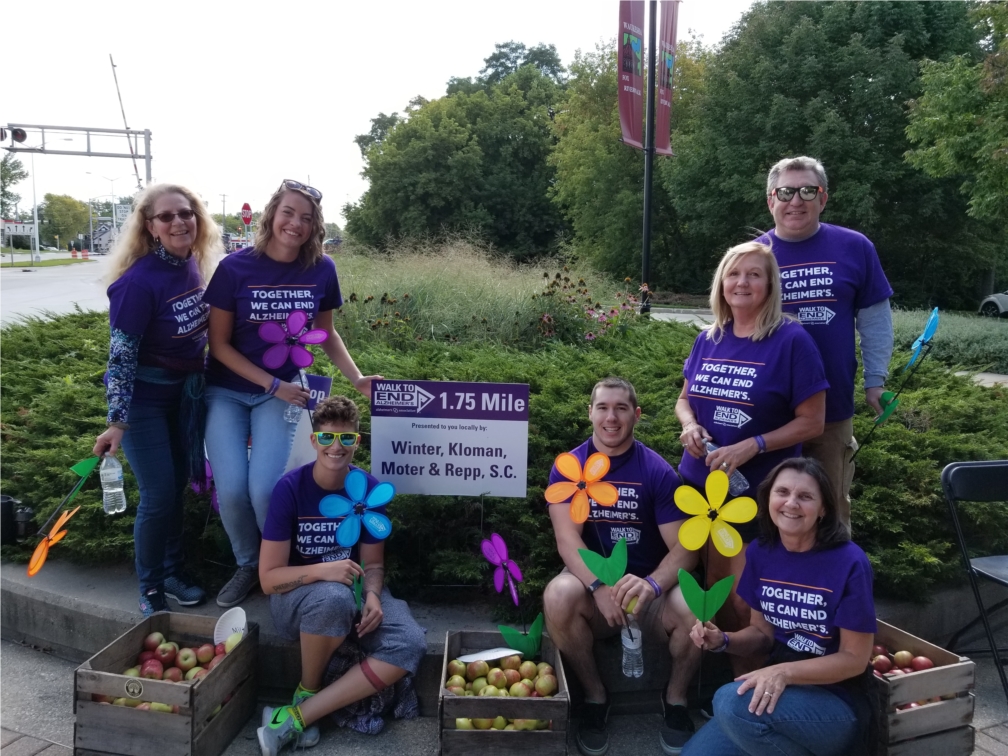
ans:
(257, 289)
(825, 280)
(646, 485)
(294, 516)
(808, 596)
(163, 304)
(740, 388)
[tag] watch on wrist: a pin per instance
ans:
(595, 586)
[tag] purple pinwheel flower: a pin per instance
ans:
(287, 341)
(207, 487)
(358, 508)
(496, 552)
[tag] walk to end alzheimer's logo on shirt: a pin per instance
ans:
(810, 287)
(730, 381)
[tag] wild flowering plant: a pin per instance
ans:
(574, 308)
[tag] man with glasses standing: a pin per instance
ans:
(832, 281)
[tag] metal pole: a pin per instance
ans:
(649, 120)
(147, 155)
(90, 222)
(34, 214)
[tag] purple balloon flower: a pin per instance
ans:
(287, 341)
(496, 552)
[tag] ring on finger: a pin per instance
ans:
(768, 693)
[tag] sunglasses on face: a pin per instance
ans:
(327, 438)
(169, 217)
(311, 191)
(807, 193)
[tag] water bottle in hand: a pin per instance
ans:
(737, 482)
(633, 656)
(293, 412)
(111, 473)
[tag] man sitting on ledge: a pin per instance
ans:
(579, 608)
(311, 598)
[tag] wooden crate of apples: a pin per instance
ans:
(926, 696)
(165, 687)
(501, 705)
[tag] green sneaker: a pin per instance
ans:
(307, 739)
(282, 729)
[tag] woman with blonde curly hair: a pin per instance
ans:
(159, 267)
(285, 272)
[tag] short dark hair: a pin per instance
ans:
(335, 410)
(830, 531)
(615, 382)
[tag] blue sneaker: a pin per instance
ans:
(307, 739)
(153, 601)
(182, 591)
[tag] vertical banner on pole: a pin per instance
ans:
(631, 71)
(666, 66)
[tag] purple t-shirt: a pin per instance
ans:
(646, 485)
(256, 288)
(825, 280)
(294, 516)
(807, 596)
(740, 388)
(163, 304)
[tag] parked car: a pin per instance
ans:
(996, 305)
(332, 243)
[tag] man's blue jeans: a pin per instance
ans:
(154, 450)
(245, 481)
(808, 720)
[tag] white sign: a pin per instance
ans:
(302, 452)
(16, 228)
(441, 438)
(122, 213)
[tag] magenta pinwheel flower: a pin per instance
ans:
(287, 341)
(496, 552)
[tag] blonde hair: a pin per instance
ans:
(135, 241)
(311, 251)
(771, 316)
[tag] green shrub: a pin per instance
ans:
(963, 341)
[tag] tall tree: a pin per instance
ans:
(380, 127)
(66, 216)
(12, 172)
(831, 80)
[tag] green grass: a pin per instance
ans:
(962, 341)
(45, 263)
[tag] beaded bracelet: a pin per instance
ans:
(274, 388)
(761, 443)
(654, 584)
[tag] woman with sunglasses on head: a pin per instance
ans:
(286, 271)
(160, 264)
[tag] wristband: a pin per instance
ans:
(657, 588)
(274, 387)
(120, 426)
(723, 647)
(760, 443)
(595, 586)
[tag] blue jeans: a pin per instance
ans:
(155, 452)
(808, 720)
(245, 481)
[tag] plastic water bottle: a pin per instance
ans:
(737, 482)
(633, 656)
(111, 473)
(293, 412)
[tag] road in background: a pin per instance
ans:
(35, 291)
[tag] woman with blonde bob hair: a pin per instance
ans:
(250, 382)
(159, 268)
(754, 389)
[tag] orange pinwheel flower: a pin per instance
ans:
(54, 537)
(582, 484)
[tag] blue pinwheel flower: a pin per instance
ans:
(924, 340)
(358, 508)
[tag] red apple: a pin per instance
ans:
(528, 670)
(879, 675)
(907, 670)
(879, 649)
(186, 659)
(511, 662)
(902, 658)
(99, 698)
(546, 685)
(153, 640)
(144, 656)
(165, 653)
(545, 669)
(455, 667)
(921, 662)
(511, 676)
(173, 674)
(520, 690)
(894, 672)
(477, 669)
(174, 644)
(219, 649)
(196, 673)
(215, 661)
(496, 677)
(456, 690)
(144, 707)
(152, 669)
(882, 663)
(205, 653)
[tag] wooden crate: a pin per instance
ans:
(105, 730)
(941, 728)
(452, 742)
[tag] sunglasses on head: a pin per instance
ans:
(327, 438)
(807, 193)
(169, 217)
(311, 191)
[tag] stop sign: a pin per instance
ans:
(246, 214)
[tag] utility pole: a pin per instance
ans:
(649, 139)
(223, 220)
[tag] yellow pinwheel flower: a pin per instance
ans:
(711, 515)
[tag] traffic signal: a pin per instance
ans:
(3, 135)
(18, 135)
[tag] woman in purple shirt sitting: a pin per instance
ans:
(810, 590)
(285, 272)
(160, 264)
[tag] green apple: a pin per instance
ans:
(161, 707)
(456, 690)
(511, 662)
(132, 672)
(528, 670)
(455, 667)
(233, 640)
(462, 723)
(496, 678)
(489, 691)
(500, 723)
(520, 690)
(524, 724)
(510, 726)
(546, 685)
(478, 684)
(456, 681)
(541, 724)
(542, 668)
(482, 724)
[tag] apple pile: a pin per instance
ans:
(162, 659)
(508, 677)
(889, 664)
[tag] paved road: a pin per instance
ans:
(34, 291)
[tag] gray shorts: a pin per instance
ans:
(328, 609)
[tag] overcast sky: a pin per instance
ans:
(239, 96)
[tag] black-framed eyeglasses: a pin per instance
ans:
(297, 186)
(807, 193)
(167, 217)
(327, 438)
